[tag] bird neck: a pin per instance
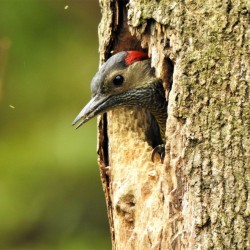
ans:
(151, 97)
(158, 106)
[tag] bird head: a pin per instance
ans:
(118, 83)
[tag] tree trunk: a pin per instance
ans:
(199, 197)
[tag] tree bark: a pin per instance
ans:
(199, 197)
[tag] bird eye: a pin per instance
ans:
(118, 80)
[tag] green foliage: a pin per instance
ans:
(50, 189)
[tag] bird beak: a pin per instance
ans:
(96, 105)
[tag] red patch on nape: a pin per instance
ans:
(135, 56)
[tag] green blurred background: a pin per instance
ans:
(50, 190)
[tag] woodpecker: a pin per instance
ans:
(127, 79)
